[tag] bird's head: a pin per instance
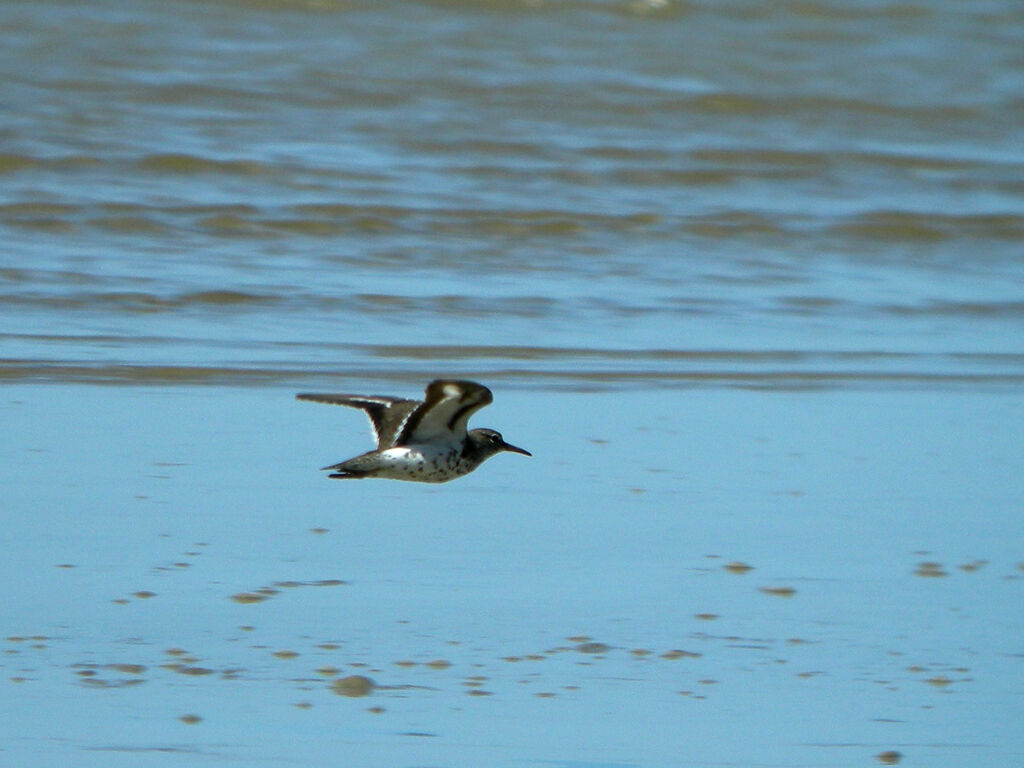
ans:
(487, 442)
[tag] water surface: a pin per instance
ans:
(746, 278)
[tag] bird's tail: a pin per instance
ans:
(349, 474)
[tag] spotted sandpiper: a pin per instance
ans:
(426, 440)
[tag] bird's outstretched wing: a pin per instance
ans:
(447, 408)
(388, 415)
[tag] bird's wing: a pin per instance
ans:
(388, 415)
(444, 413)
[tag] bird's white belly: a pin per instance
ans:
(427, 463)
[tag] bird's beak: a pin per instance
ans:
(507, 447)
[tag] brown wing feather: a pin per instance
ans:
(446, 409)
(387, 414)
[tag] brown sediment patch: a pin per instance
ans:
(128, 669)
(974, 565)
(249, 597)
(191, 671)
(38, 641)
(593, 647)
(144, 594)
(578, 638)
(438, 664)
(285, 654)
(261, 594)
(303, 705)
(889, 757)
(190, 719)
(319, 531)
(376, 710)
(640, 652)
(678, 654)
(705, 616)
(930, 570)
(545, 695)
(88, 675)
(329, 646)
(405, 663)
(778, 591)
(939, 681)
(479, 692)
(353, 686)
(738, 567)
(328, 671)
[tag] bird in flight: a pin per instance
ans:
(424, 441)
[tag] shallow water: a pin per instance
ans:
(728, 578)
(746, 278)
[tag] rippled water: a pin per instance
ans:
(728, 193)
(808, 215)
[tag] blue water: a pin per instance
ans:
(746, 279)
(239, 188)
(130, 543)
